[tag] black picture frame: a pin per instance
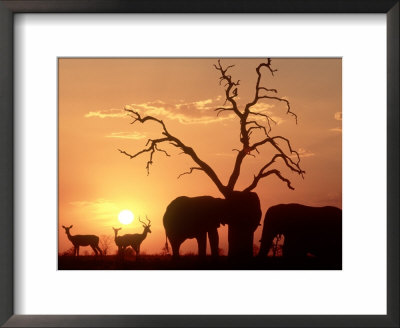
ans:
(10, 7)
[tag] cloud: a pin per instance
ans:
(303, 153)
(338, 116)
(99, 209)
(126, 135)
(107, 113)
(195, 112)
(225, 154)
(264, 108)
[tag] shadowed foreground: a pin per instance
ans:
(190, 262)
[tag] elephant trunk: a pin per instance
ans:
(266, 243)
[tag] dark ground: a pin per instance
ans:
(189, 262)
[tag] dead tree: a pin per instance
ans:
(250, 120)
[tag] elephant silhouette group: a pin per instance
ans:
(307, 231)
(315, 231)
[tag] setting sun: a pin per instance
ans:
(125, 216)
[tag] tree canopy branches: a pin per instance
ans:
(249, 123)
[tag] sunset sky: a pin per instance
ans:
(96, 181)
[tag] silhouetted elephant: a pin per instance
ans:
(314, 230)
(245, 216)
(195, 217)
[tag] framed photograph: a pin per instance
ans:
(155, 157)
(203, 216)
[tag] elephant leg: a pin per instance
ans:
(175, 248)
(201, 241)
(290, 249)
(214, 242)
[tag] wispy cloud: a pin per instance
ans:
(303, 153)
(99, 209)
(126, 135)
(195, 112)
(264, 108)
(338, 116)
(107, 113)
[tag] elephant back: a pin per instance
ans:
(307, 229)
(187, 216)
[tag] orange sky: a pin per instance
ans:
(96, 182)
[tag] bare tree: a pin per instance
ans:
(105, 243)
(69, 252)
(251, 120)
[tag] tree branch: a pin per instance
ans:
(190, 171)
(174, 141)
(269, 120)
(152, 149)
(228, 86)
(282, 100)
(258, 88)
(248, 126)
(250, 121)
(223, 109)
(294, 166)
(264, 175)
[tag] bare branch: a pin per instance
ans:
(190, 171)
(250, 122)
(162, 151)
(294, 166)
(269, 120)
(258, 88)
(152, 147)
(268, 90)
(257, 126)
(228, 86)
(223, 109)
(282, 100)
(264, 175)
(247, 127)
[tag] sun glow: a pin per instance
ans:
(125, 216)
